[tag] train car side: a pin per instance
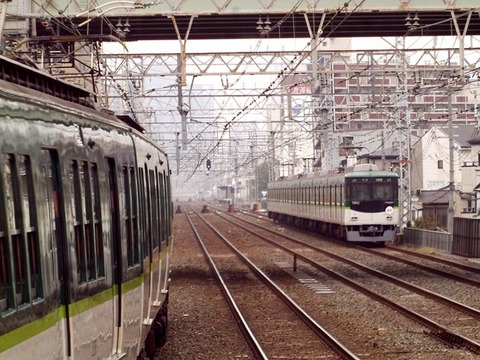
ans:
(85, 232)
(330, 204)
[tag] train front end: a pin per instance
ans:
(372, 212)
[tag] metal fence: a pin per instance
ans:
(465, 242)
(466, 237)
(432, 239)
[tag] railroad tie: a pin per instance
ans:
(306, 279)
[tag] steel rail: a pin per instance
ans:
(329, 339)
(412, 263)
(438, 330)
(437, 259)
(247, 333)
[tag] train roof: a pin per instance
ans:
(25, 75)
(368, 170)
(360, 170)
(127, 119)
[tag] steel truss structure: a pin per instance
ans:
(228, 111)
(194, 118)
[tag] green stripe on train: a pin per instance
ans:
(31, 329)
(36, 327)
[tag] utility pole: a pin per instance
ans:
(181, 107)
(403, 125)
(451, 185)
(177, 151)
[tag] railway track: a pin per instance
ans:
(445, 308)
(276, 325)
(393, 253)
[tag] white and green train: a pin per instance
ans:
(360, 205)
(85, 226)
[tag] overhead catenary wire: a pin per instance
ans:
(276, 82)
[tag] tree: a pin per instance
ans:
(262, 176)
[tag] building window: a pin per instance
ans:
(440, 164)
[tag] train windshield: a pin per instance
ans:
(372, 194)
(367, 192)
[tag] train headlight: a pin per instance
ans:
(353, 216)
(389, 210)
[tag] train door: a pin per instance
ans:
(56, 220)
(116, 249)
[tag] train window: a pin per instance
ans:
(142, 207)
(163, 231)
(127, 207)
(169, 205)
(18, 190)
(4, 272)
(166, 206)
(97, 221)
(12, 193)
(26, 181)
(154, 208)
(360, 192)
(335, 195)
(89, 223)
(87, 226)
(134, 216)
(20, 270)
(76, 177)
(50, 175)
(383, 191)
(5, 264)
(130, 217)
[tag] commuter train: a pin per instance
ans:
(85, 226)
(360, 205)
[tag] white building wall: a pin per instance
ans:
(435, 159)
(431, 162)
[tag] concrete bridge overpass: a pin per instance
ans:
(235, 19)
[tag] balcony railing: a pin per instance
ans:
(470, 164)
